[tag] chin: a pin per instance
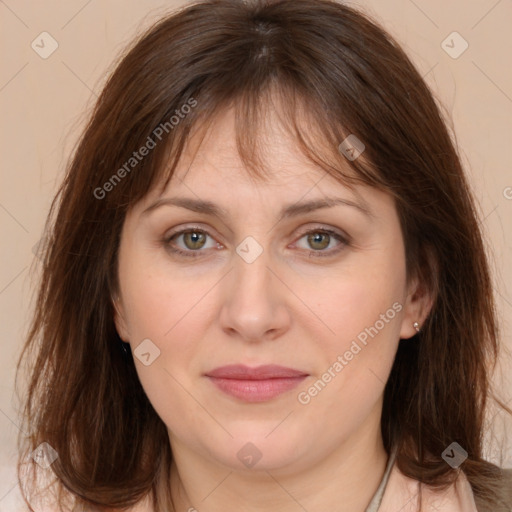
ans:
(256, 450)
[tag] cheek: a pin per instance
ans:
(354, 368)
(158, 300)
(170, 307)
(161, 307)
(362, 309)
(367, 296)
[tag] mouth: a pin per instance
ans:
(258, 384)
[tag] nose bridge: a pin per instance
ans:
(252, 301)
(252, 278)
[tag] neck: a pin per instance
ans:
(344, 481)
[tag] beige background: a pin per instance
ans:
(45, 101)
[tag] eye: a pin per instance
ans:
(320, 239)
(193, 240)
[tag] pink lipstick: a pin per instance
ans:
(255, 384)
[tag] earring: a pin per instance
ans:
(125, 347)
(416, 325)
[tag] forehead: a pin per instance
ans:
(211, 177)
(258, 153)
(211, 160)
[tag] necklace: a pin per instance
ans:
(374, 505)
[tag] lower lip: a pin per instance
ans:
(257, 390)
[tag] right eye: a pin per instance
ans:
(194, 239)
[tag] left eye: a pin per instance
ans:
(195, 239)
(320, 239)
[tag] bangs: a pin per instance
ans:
(317, 134)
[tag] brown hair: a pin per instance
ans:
(346, 75)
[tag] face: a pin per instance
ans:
(308, 305)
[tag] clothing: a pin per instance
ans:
(377, 497)
(397, 492)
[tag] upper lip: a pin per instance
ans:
(242, 372)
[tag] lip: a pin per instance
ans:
(257, 384)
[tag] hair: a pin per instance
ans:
(335, 72)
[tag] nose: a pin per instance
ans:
(254, 305)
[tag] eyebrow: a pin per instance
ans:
(291, 210)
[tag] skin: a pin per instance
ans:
(284, 308)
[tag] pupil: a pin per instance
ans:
(195, 238)
(317, 238)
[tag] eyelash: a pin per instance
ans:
(197, 253)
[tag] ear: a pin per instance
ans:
(419, 301)
(120, 319)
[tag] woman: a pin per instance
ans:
(265, 286)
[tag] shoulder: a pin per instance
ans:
(403, 493)
(505, 496)
(142, 506)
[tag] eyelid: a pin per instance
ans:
(186, 229)
(181, 231)
(342, 237)
(328, 229)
